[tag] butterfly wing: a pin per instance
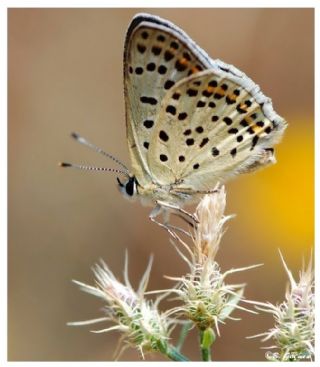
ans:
(157, 55)
(185, 125)
(212, 125)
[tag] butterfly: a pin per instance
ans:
(192, 121)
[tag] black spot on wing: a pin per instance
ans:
(163, 158)
(163, 136)
(215, 151)
(227, 120)
(168, 84)
(162, 69)
(171, 109)
(182, 116)
(204, 142)
(148, 100)
(192, 92)
(151, 66)
(148, 123)
(141, 48)
(233, 152)
(254, 141)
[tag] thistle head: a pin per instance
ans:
(209, 231)
(138, 319)
(206, 298)
(294, 319)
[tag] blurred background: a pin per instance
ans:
(65, 74)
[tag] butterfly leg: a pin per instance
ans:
(195, 192)
(185, 219)
(186, 216)
(158, 209)
(168, 227)
(178, 229)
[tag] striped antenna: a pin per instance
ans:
(91, 168)
(85, 142)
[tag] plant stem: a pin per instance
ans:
(183, 333)
(205, 351)
(207, 337)
(174, 354)
(171, 352)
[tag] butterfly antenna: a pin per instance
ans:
(91, 168)
(85, 142)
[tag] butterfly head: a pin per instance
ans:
(128, 188)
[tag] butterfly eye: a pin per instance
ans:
(130, 186)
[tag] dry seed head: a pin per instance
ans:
(210, 214)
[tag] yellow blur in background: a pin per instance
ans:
(65, 74)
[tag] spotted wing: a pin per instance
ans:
(157, 55)
(212, 125)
